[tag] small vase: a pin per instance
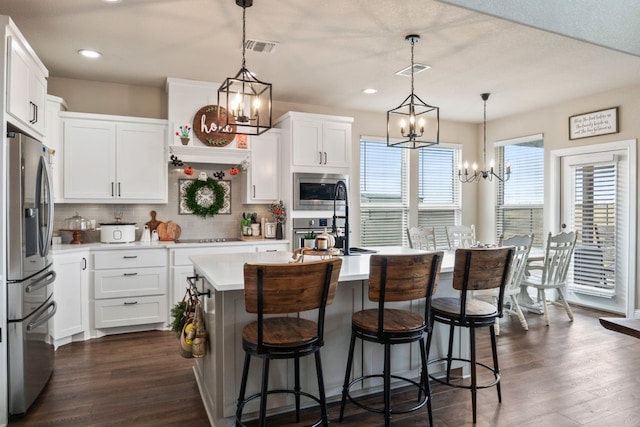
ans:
(279, 231)
(185, 141)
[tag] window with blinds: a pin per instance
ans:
(438, 190)
(520, 200)
(594, 216)
(383, 194)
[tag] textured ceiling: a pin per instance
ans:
(329, 51)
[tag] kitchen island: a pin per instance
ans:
(219, 372)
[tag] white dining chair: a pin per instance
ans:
(422, 238)
(461, 236)
(522, 245)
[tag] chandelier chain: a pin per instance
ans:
(244, 33)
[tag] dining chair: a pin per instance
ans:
(474, 269)
(392, 279)
(553, 272)
(422, 238)
(281, 289)
(522, 245)
(461, 236)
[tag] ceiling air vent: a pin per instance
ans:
(417, 68)
(260, 46)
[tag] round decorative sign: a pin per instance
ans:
(207, 125)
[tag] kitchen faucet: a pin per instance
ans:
(341, 185)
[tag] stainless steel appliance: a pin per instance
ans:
(30, 272)
(315, 191)
(302, 226)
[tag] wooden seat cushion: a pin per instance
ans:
(282, 331)
(450, 307)
(394, 320)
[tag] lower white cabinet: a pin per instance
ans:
(71, 293)
(129, 287)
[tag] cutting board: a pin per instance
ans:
(154, 223)
(168, 231)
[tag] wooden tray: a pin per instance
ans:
(298, 254)
(248, 238)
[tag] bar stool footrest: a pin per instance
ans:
(420, 404)
(258, 395)
(468, 387)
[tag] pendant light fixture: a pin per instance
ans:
(413, 124)
(484, 173)
(247, 99)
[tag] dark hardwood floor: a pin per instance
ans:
(568, 374)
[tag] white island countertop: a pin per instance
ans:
(225, 271)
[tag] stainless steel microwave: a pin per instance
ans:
(316, 191)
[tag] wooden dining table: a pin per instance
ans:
(623, 325)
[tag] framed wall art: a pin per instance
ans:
(602, 122)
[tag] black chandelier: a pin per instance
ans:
(407, 125)
(247, 99)
(463, 171)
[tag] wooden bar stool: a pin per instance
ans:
(395, 278)
(286, 289)
(475, 269)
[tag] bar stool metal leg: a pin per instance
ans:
(474, 383)
(425, 379)
(450, 351)
(496, 369)
(347, 375)
(323, 399)
(387, 384)
(296, 387)
(263, 396)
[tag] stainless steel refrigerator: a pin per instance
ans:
(30, 303)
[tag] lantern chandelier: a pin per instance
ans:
(247, 99)
(407, 125)
(463, 171)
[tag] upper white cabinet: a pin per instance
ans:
(262, 178)
(317, 143)
(114, 159)
(53, 140)
(26, 85)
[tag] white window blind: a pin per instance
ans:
(520, 200)
(383, 194)
(594, 214)
(438, 190)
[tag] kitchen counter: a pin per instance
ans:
(68, 248)
(218, 374)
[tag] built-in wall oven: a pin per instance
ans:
(316, 191)
(302, 226)
(30, 303)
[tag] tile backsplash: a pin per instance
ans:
(221, 225)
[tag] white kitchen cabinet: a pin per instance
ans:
(71, 293)
(261, 179)
(27, 86)
(317, 143)
(114, 159)
(129, 288)
(53, 140)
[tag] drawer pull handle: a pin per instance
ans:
(130, 303)
(130, 256)
(130, 274)
(271, 250)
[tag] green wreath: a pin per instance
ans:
(191, 193)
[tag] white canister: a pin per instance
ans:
(255, 229)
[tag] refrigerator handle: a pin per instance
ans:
(32, 325)
(45, 281)
(44, 179)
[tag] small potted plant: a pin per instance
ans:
(310, 239)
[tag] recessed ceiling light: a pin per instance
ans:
(88, 53)
(369, 91)
(112, 1)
